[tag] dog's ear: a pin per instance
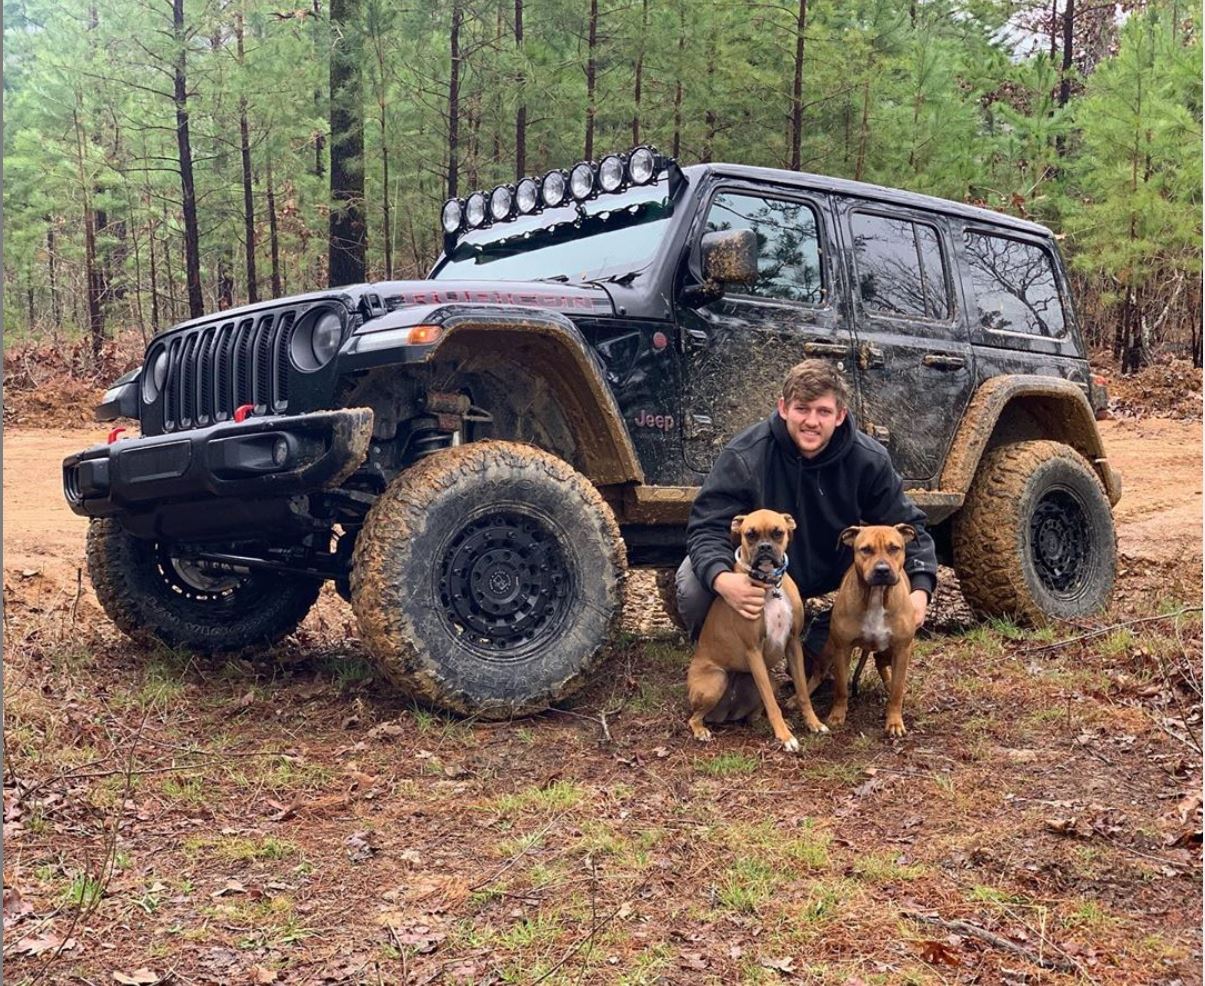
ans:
(907, 531)
(735, 529)
(789, 521)
(849, 536)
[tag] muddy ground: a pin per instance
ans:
(296, 821)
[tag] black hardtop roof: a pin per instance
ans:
(861, 189)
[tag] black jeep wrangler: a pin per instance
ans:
(476, 458)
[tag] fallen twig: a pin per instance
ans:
(1112, 626)
(519, 855)
(974, 931)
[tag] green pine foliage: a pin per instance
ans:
(960, 100)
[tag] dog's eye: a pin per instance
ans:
(776, 533)
(866, 549)
(893, 549)
(750, 535)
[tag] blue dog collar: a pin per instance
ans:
(774, 579)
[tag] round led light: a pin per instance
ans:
(474, 210)
(328, 333)
(526, 195)
(610, 173)
(642, 165)
(500, 202)
(154, 376)
(581, 180)
(552, 190)
(451, 215)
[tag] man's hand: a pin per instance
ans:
(741, 593)
(920, 603)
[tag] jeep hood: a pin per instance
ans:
(570, 299)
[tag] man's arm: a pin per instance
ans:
(728, 490)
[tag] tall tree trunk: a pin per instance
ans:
(1068, 52)
(192, 237)
(386, 210)
(56, 311)
(96, 312)
(864, 134)
(168, 272)
(520, 86)
(678, 85)
(347, 228)
(797, 90)
(644, 29)
(150, 234)
(29, 294)
(248, 197)
(709, 116)
(591, 45)
(225, 283)
(274, 240)
(454, 104)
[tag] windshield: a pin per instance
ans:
(619, 233)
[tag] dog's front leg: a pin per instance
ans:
(900, 656)
(757, 667)
(841, 657)
(802, 687)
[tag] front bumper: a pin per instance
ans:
(227, 460)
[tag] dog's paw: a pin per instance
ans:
(703, 735)
(818, 728)
(791, 745)
(836, 718)
(895, 728)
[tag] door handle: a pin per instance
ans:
(869, 356)
(697, 339)
(825, 349)
(938, 361)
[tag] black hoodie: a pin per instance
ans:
(850, 482)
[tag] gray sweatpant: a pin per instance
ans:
(695, 599)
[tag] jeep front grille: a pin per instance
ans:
(215, 368)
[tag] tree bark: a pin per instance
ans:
(591, 45)
(96, 312)
(520, 84)
(864, 133)
(454, 103)
(797, 89)
(347, 229)
(150, 235)
(678, 86)
(56, 311)
(248, 198)
(192, 237)
(644, 29)
(274, 240)
(1068, 52)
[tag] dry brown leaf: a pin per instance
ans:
(37, 944)
(692, 960)
(14, 907)
(1062, 826)
(232, 887)
(938, 953)
(785, 966)
(261, 974)
(139, 977)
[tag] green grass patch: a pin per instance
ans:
(730, 763)
(884, 868)
(747, 884)
(236, 849)
(559, 796)
(84, 892)
(188, 789)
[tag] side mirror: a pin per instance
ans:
(729, 257)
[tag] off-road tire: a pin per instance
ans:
(1035, 538)
(488, 578)
(147, 600)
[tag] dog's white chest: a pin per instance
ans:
(779, 618)
(876, 634)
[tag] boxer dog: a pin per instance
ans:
(873, 611)
(733, 649)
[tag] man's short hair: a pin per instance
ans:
(814, 378)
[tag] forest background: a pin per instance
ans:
(164, 158)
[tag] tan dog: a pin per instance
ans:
(732, 647)
(872, 610)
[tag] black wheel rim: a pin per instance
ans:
(504, 583)
(1060, 542)
(231, 594)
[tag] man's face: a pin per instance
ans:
(811, 425)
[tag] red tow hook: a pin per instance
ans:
(114, 433)
(243, 411)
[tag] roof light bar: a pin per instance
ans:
(586, 180)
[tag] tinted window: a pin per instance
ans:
(900, 268)
(788, 247)
(1015, 286)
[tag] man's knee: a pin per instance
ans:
(694, 599)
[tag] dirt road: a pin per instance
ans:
(1159, 517)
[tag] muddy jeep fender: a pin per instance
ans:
(1021, 408)
(547, 348)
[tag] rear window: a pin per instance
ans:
(900, 268)
(1014, 285)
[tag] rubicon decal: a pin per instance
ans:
(526, 298)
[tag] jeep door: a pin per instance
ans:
(737, 350)
(915, 366)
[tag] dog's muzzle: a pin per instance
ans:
(883, 574)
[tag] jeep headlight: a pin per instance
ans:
(154, 376)
(317, 339)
